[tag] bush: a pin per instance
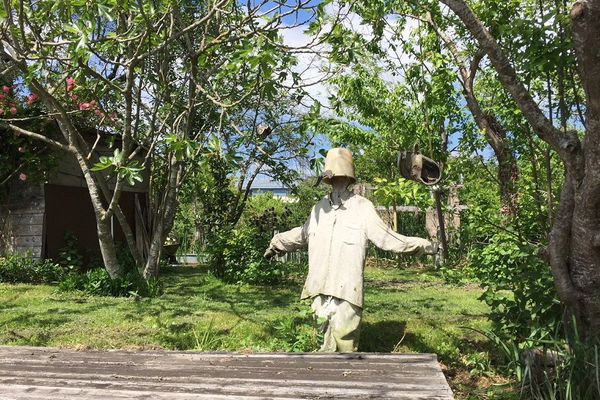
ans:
(22, 268)
(518, 287)
(93, 279)
(98, 282)
(69, 256)
(237, 252)
(241, 257)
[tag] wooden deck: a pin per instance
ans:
(47, 373)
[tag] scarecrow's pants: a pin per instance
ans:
(342, 323)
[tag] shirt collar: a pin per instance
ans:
(346, 194)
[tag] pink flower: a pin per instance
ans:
(22, 176)
(73, 96)
(1, 111)
(1, 96)
(5, 89)
(13, 110)
(84, 106)
(70, 84)
(32, 98)
(98, 112)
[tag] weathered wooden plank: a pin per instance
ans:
(25, 392)
(214, 363)
(304, 369)
(273, 377)
(24, 229)
(36, 251)
(28, 241)
(27, 218)
(357, 367)
(196, 358)
(274, 386)
(28, 372)
(52, 353)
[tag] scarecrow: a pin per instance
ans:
(336, 234)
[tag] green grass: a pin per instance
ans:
(406, 310)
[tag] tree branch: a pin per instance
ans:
(37, 136)
(567, 145)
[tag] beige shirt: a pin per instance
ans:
(337, 243)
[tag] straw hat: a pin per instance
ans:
(338, 163)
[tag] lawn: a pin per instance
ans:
(406, 310)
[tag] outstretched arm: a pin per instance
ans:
(385, 238)
(291, 240)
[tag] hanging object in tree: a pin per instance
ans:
(415, 166)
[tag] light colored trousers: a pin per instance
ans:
(342, 323)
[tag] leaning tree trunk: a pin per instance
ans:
(493, 131)
(103, 218)
(508, 172)
(574, 241)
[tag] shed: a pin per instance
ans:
(36, 216)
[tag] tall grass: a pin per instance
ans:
(561, 367)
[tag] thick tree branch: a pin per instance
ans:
(37, 136)
(567, 145)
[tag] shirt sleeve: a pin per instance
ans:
(294, 239)
(385, 238)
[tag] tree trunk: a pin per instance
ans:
(103, 219)
(542, 219)
(585, 227)
(163, 220)
(507, 167)
(437, 194)
(107, 248)
(549, 191)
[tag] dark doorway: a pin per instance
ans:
(69, 209)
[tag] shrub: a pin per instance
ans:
(574, 372)
(69, 256)
(98, 282)
(22, 268)
(518, 287)
(237, 252)
(242, 257)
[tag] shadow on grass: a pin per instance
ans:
(33, 329)
(382, 336)
(195, 283)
